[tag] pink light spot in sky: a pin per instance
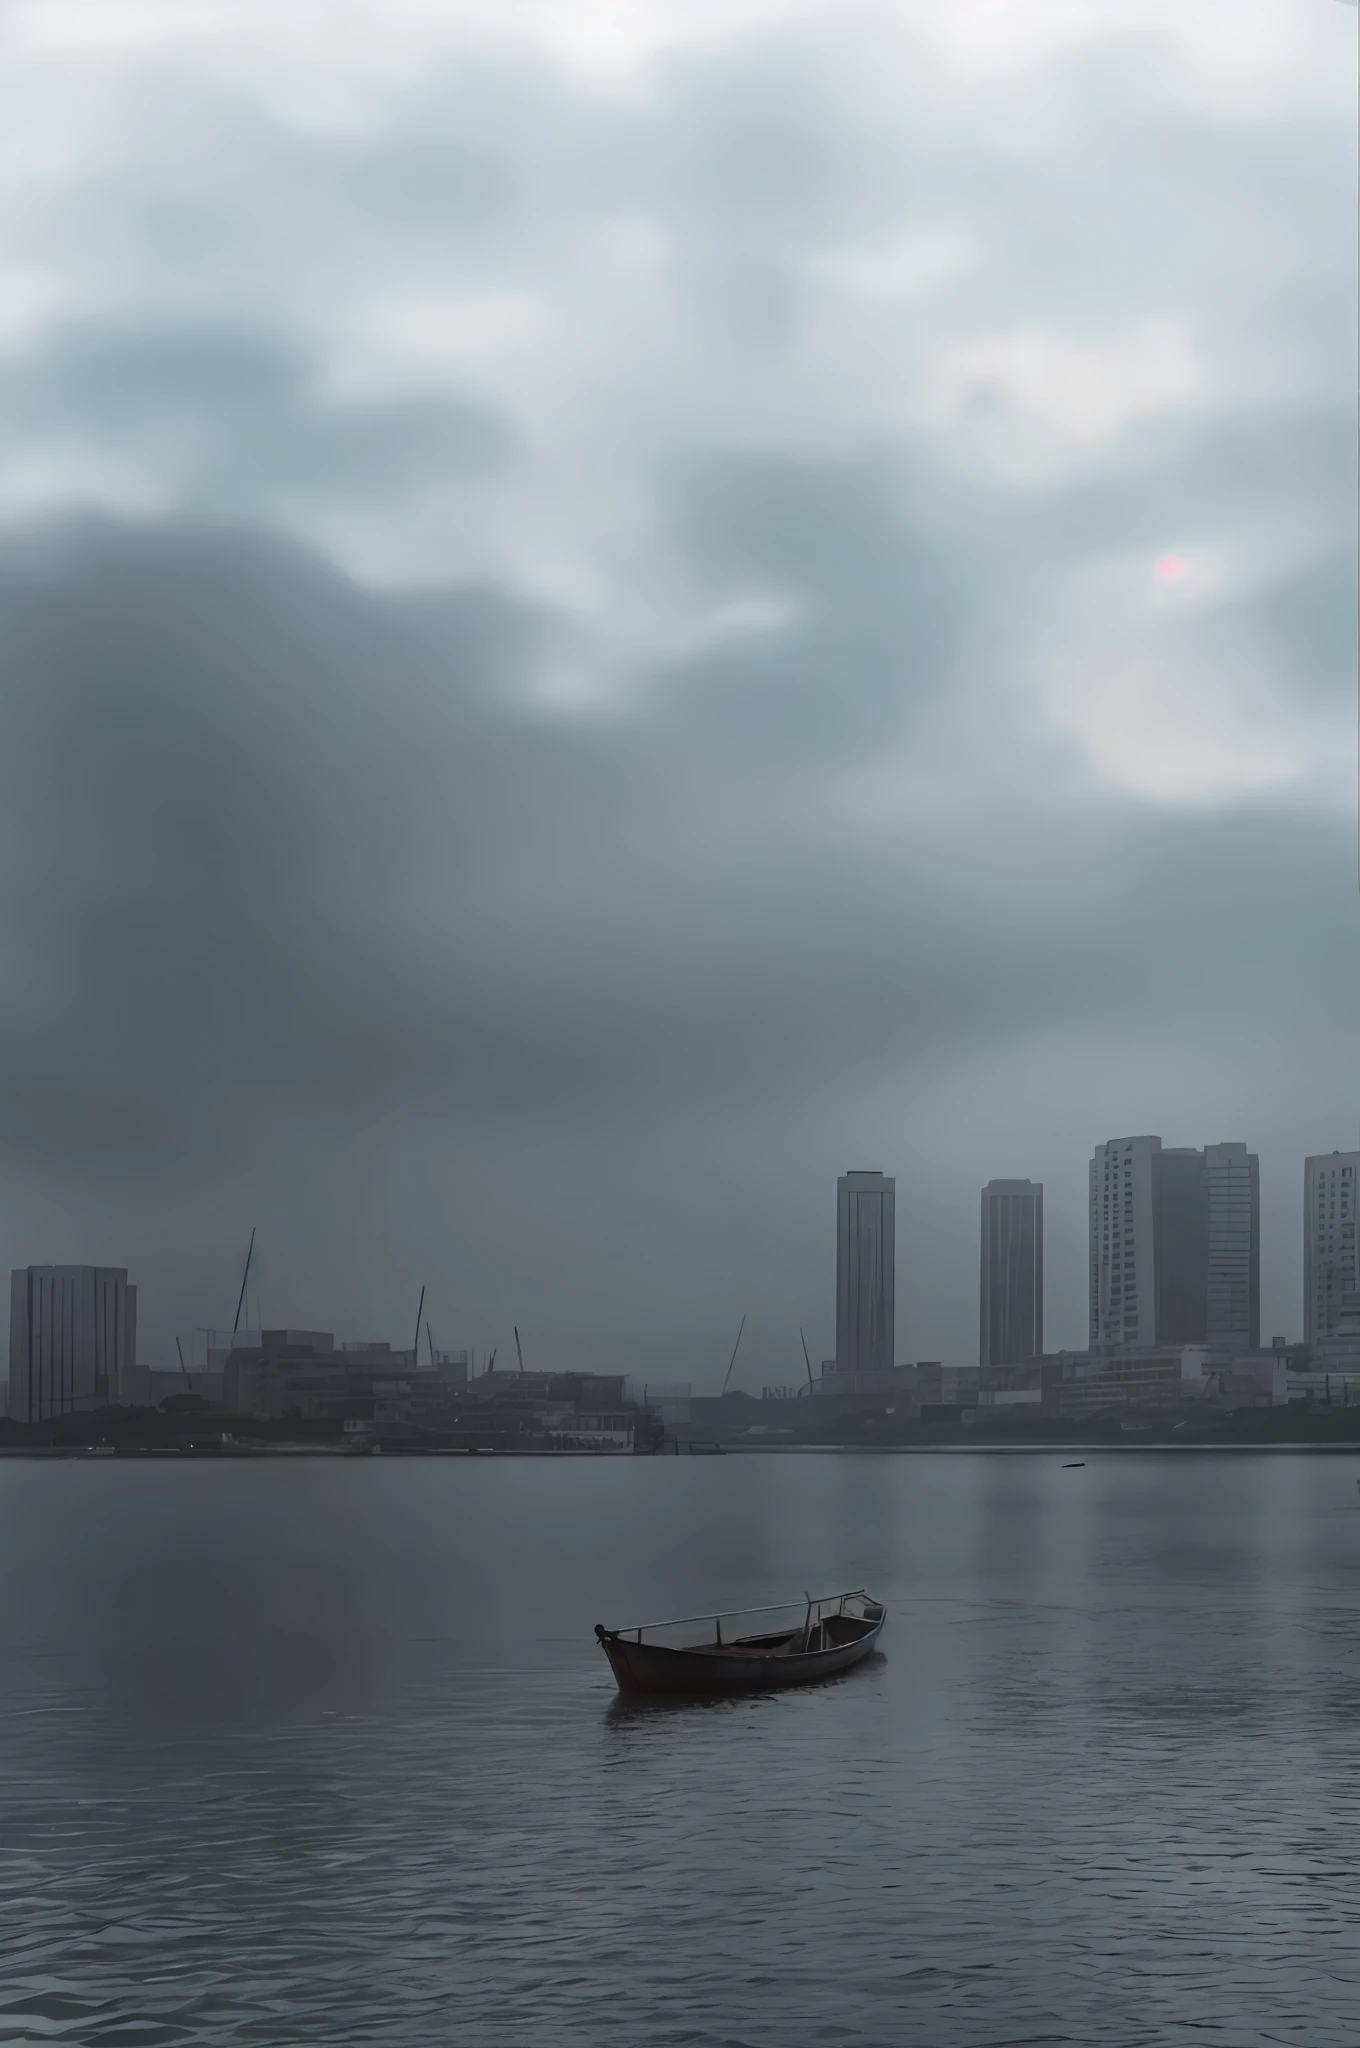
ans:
(1169, 568)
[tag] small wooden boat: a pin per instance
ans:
(832, 1634)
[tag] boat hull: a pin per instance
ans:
(655, 1668)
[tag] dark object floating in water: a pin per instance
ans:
(1077, 1465)
(834, 1633)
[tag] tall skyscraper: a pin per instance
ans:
(1011, 1295)
(1233, 1281)
(1331, 1264)
(1180, 1246)
(1175, 1245)
(72, 1337)
(1123, 1267)
(865, 1283)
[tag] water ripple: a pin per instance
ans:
(1083, 1798)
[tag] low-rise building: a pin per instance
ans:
(572, 1429)
(670, 1401)
(1011, 1386)
(940, 1387)
(1172, 1376)
(1159, 1376)
(146, 1386)
(278, 1373)
(839, 1384)
(281, 1374)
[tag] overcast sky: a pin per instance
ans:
(607, 610)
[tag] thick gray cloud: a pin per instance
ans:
(281, 854)
(592, 632)
(225, 409)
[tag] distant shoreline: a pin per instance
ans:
(85, 1453)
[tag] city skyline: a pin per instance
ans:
(1191, 1262)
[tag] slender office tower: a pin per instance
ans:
(1331, 1264)
(1122, 1263)
(865, 1279)
(1011, 1297)
(1233, 1279)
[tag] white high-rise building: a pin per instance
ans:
(865, 1272)
(72, 1339)
(1175, 1245)
(1122, 1259)
(1331, 1266)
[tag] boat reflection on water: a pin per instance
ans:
(628, 1709)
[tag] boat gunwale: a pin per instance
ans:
(638, 1629)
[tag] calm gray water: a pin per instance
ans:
(324, 1752)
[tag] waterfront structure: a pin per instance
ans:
(1162, 1376)
(369, 1389)
(278, 1372)
(865, 1272)
(1158, 1376)
(1174, 1245)
(881, 1386)
(147, 1386)
(669, 1400)
(1011, 1288)
(1331, 1263)
(939, 1387)
(72, 1339)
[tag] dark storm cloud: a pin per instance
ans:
(272, 838)
(882, 607)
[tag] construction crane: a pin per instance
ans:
(806, 1360)
(519, 1349)
(415, 1348)
(733, 1359)
(240, 1299)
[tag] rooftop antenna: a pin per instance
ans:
(415, 1353)
(240, 1299)
(520, 1350)
(806, 1360)
(182, 1366)
(733, 1359)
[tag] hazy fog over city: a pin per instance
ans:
(610, 611)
